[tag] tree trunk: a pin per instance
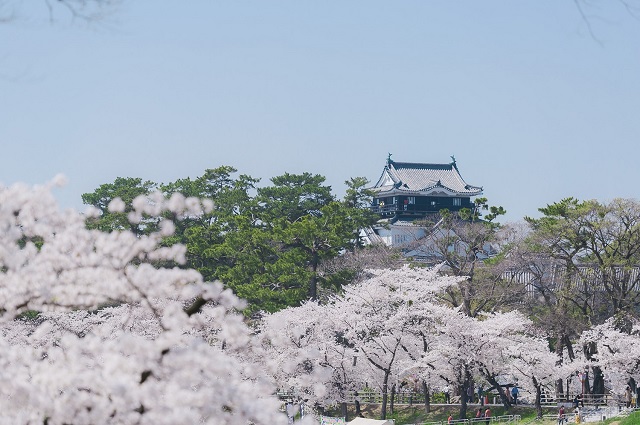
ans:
(560, 390)
(503, 397)
(313, 284)
(466, 299)
(393, 398)
(566, 342)
(463, 401)
(385, 395)
(598, 380)
(538, 403)
(427, 401)
(559, 382)
(345, 412)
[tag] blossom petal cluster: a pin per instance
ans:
(95, 328)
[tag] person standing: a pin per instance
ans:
(507, 395)
(290, 413)
(478, 415)
(356, 401)
(581, 399)
(632, 384)
(514, 393)
(450, 419)
(627, 396)
(487, 416)
(561, 415)
(447, 395)
(481, 395)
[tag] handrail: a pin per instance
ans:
(417, 397)
(474, 421)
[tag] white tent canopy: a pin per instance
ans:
(365, 421)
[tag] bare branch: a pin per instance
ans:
(633, 10)
(86, 10)
(586, 21)
(89, 11)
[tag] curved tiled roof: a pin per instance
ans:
(417, 177)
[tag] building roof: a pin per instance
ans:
(423, 179)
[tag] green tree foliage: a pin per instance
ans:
(476, 213)
(293, 196)
(126, 189)
(265, 243)
(357, 194)
(232, 198)
(320, 237)
(357, 200)
(308, 224)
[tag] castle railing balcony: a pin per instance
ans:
(384, 208)
(404, 209)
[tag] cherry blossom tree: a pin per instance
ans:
(618, 352)
(465, 349)
(392, 327)
(364, 336)
(535, 367)
(96, 330)
(321, 374)
(488, 339)
(378, 317)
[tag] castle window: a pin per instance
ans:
(457, 202)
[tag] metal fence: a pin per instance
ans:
(375, 397)
(505, 419)
(410, 397)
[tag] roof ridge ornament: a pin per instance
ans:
(389, 160)
(453, 163)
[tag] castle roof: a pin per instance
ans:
(423, 179)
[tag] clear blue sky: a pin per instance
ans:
(533, 108)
